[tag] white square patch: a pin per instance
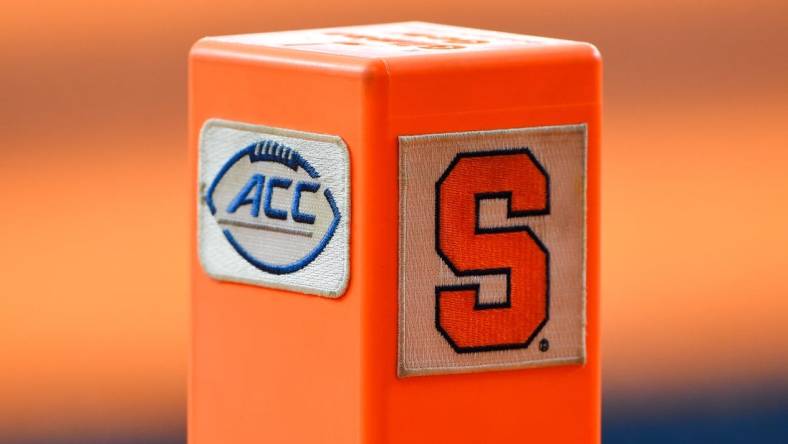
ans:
(274, 207)
(492, 250)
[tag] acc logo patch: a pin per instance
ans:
(274, 207)
(492, 250)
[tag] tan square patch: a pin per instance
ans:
(492, 250)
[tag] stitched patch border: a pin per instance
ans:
(274, 207)
(558, 229)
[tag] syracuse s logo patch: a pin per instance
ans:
(279, 203)
(492, 250)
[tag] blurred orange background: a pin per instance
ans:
(93, 179)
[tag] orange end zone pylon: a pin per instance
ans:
(396, 237)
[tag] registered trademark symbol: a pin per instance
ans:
(544, 345)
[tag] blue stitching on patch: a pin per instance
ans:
(225, 168)
(268, 150)
(275, 182)
(298, 216)
(271, 151)
(261, 151)
(241, 199)
(295, 266)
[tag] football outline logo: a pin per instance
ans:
(262, 190)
